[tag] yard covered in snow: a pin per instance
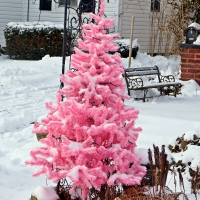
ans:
(25, 86)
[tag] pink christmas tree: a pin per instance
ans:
(91, 133)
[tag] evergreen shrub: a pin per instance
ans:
(124, 46)
(33, 40)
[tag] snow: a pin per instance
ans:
(75, 146)
(45, 193)
(34, 25)
(197, 42)
(126, 43)
(25, 86)
(195, 25)
(74, 172)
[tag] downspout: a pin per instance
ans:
(28, 10)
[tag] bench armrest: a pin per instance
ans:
(134, 83)
(168, 78)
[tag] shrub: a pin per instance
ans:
(32, 41)
(124, 46)
(182, 143)
(187, 164)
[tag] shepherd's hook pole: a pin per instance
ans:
(64, 44)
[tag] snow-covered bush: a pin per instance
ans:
(185, 151)
(182, 143)
(124, 47)
(34, 40)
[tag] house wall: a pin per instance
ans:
(56, 15)
(10, 11)
(119, 10)
(141, 24)
(17, 11)
(141, 10)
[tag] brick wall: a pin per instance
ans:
(190, 62)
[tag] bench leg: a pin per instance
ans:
(145, 94)
(175, 90)
(128, 91)
(161, 91)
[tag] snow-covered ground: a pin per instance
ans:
(25, 86)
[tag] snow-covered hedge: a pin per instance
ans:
(33, 40)
(124, 46)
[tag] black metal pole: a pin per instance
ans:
(28, 10)
(64, 44)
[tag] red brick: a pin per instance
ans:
(187, 65)
(184, 60)
(184, 50)
(194, 50)
(187, 55)
(187, 75)
(186, 79)
(197, 55)
(193, 60)
(184, 70)
(197, 76)
(193, 70)
(197, 66)
(183, 79)
(184, 65)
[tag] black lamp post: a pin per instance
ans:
(64, 44)
(84, 6)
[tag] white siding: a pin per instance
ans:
(10, 11)
(16, 11)
(56, 15)
(141, 25)
(142, 11)
(119, 10)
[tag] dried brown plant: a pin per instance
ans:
(182, 15)
(195, 180)
(145, 193)
(168, 25)
(159, 35)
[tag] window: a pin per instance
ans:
(69, 2)
(45, 5)
(87, 5)
(155, 5)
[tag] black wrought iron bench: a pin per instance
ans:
(165, 84)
